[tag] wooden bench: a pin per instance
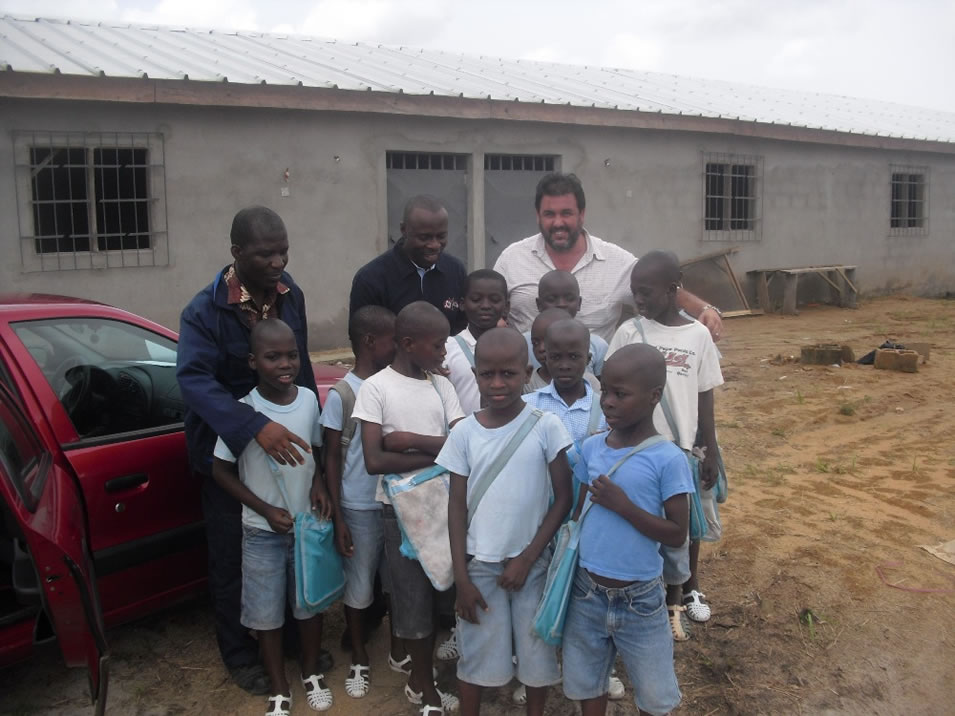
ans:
(840, 279)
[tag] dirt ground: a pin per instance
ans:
(836, 474)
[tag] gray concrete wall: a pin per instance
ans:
(821, 204)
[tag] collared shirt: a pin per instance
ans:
(239, 295)
(575, 417)
(603, 273)
(392, 280)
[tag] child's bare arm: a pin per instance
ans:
(226, 474)
(468, 597)
(334, 465)
(670, 530)
(381, 461)
(515, 573)
(402, 441)
(318, 498)
(709, 468)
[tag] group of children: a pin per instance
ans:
(418, 397)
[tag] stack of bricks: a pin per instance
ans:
(906, 361)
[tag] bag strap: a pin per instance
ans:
(276, 470)
(349, 424)
(434, 384)
(465, 349)
(648, 443)
(484, 482)
(664, 403)
(595, 414)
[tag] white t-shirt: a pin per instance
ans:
(399, 403)
(260, 473)
(461, 375)
(358, 487)
(603, 273)
(514, 506)
(693, 367)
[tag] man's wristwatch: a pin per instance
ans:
(712, 307)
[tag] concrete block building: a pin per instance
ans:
(126, 150)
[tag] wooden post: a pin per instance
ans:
(789, 293)
(851, 292)
(838, 288)
(762, 292)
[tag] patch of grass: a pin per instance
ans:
(730, 424)
(847, 409)
(822, 466)
(799, 397)
(834, 517)
(915, 465)
(778, 432)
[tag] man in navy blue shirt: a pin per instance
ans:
(416, 268)
(213, 373)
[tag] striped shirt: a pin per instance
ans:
(603, 274)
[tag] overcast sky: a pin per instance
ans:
(881, 49)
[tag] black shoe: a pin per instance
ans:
(325, 661)
(251, 678)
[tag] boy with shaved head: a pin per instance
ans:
(405, 411)
(693, 371)
(500, 521)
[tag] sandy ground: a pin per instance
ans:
(835, 474)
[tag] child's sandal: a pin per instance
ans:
(357, 683)
(279, 705)
(427, 710)
(696, 608)
(676, 622)
(449, 702)
(319, 697)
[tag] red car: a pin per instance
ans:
(100, 519)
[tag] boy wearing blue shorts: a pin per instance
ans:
(618, 602)
(499, 541)
(359, 535)
(271, 496)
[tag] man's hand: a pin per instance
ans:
(468, 600)
(608, 494)
(343, 541)
(515, 573)
(279, 520)
(319, 500)
(713, 322)
(279, 444)
(709, 470)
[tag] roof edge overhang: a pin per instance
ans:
(54, 86)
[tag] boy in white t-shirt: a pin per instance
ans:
(359, 535)
(271, 496)
(501, 553)
(405, 412)
(693, 371)
(484, 304)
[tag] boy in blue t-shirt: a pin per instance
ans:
(271, 496)
(618, 599)
(359, 535)
(501, 553)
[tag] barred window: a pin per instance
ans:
(425, 160)
(909, 202)
(520, 162)
(91, 200)
(731, 197)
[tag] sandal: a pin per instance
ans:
(677, 625)
(402, 667)
(696, 608)
(448, 649)
(427, 710)
(319, 697)
(449, 702)
(615, 689)
(279, 705)
(357, 682)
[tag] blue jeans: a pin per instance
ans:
(368, 538)
(268, 579)
(632, 620)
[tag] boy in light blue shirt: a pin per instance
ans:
(618, 599)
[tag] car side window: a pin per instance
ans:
(110, 376)
(20, 454)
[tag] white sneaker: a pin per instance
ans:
(448, 650)
(615, 689)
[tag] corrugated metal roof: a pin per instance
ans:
(107, 49)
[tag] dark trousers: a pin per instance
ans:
(223, 516)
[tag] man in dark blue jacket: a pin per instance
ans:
(213, 372)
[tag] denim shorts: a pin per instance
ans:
(676, 563)
(632, 620)
(486, 647)
(412, 596)
(368, 538)
(268, 579)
